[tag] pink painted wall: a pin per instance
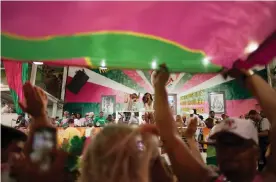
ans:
(234, 108)
(92, 93)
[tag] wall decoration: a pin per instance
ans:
(217, 102)
(194, 100)
(108, 104)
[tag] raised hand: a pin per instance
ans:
(234, 72)
(161, 77)
(35, 102)
(192, 127)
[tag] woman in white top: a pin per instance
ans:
(148, 104)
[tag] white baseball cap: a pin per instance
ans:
(240, 127)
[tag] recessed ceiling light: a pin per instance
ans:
(154, 64)
(103, 63)
(251, 47)
(206, 61)
(38, 63)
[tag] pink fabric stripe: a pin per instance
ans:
(13, 71)
(137, 78)
(91, 92)
(221, 29)
(195, 80)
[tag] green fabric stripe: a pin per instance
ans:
(122, 78)
(15, 101)
(25, 72)
(119, 50)
(234, 90)
(182, 81)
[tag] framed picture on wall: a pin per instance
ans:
(217, 102)
(108, 104)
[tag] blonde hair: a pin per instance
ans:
(114, 155)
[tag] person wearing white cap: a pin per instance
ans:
(236, 140)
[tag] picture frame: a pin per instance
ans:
(108, 104)
(217, 102)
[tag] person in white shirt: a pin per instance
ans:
(77, 121)
(263, 127)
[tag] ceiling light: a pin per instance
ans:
(103, 63)
(38, 63)
(206, 61)
(251, 47)
(154, 64)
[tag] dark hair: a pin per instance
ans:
(195, 111)
(78, 114)
(200, 117)
(252, 112)
(70, 121)
(11, 134)
(211, 112)
(145, 99)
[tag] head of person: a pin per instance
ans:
(209, 123)
(178, 119)
(78, 115)
(237, 148)
(101, 114)
(184, 118)
(71, 122)
(262, 114)
(212, 114)
(134, 97)
(109, 118)
(147, 97)
(118, 153)
(195, 111)
(57, 118)
(143, 117)
(66, 114)
(254, 116)
(73, 116)
(12, 143)
(224, 116)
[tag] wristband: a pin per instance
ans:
(247, 74)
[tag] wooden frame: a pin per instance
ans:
(220, 106)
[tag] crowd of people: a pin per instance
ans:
(238, 149)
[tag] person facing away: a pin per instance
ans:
(12, 145)
(263, 127)
(100, 121)
(70, 132)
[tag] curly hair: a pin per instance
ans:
(116, 154)
(145, 98)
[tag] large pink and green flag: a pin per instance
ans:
(189, 37)
(17, 75)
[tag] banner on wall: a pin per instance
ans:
(195, 100)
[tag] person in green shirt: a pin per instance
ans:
(100, 121)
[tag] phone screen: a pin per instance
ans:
(44, 142)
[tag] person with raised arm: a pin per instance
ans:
(24, 169)
(185, 166)
(236, 139)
